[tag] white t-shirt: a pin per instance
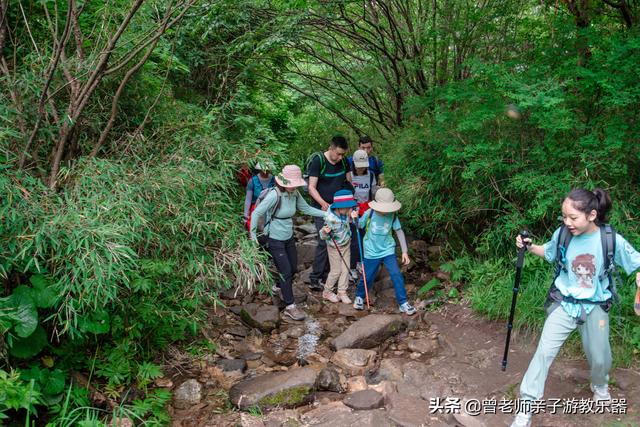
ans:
(362, 185)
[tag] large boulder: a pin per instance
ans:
(370, 331)
(259, 316)
(284, 389)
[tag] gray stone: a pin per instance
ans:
(466, 420)
(232, 365)
(306, 252)
(247, 420)
(390, 369)
(355, 361)
(282, 418)
(237, 330)
(329, 379)
(285, 389)
(407, 411)
(364, 400)
(427, 346)
(370, 331)
(189, 393)
(336, 414)
(263, 317)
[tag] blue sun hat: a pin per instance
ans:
(343, 199)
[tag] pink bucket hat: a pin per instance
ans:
(290, 177)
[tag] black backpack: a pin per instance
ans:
(323, 164)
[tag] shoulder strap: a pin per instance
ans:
(608, 238)
(371, 176)
(564, 237)
(323, 163)
(257, 185)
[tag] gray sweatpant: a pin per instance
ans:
(557, 328)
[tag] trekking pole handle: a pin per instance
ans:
(524, 234)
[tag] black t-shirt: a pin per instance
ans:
(333, 178)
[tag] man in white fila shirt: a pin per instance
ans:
(364, 184)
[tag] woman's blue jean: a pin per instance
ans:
(371, 271)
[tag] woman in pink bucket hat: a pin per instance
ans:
(278, 208)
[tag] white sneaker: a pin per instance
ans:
(330, 296)
(358, 303)
(600, 392)
(522, 419)
(344, 298)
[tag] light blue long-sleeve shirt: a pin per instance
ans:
(280, 226)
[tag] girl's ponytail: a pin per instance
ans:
(587, 201)
(604, 204)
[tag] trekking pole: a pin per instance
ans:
(339, 251)
(523, 234)
(364, 276)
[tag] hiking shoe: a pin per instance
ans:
(358, 304)
(344, 298)
(294, 312)
(276, 291)
(600, 392)
(330, 296)
(316, 285)
(353, 274)
(407, 308)
(522, 419)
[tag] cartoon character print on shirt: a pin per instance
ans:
(584, 267)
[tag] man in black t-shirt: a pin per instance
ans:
(326, 176)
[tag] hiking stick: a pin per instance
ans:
(514, 298)
(339, 251)
(364, 276)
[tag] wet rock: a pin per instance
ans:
(347, 310)
(355, 361)
(355, 384)
(232, 365)
(364, 400)
(370, 331)
(427, 346)
(189, 393)
(329, 379)
(294, 331)
(285, 389)
(263, 317)
(407, 411)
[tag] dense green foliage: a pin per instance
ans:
(120, 221)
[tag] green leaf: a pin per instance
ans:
(29, 346)
(96, 322)
(430, 285)
(43, 293)
(25, 317)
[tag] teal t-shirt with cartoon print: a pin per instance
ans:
(378, 240)
(585, 264)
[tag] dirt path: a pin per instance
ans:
(446, 360)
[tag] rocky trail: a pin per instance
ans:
(343, 367)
